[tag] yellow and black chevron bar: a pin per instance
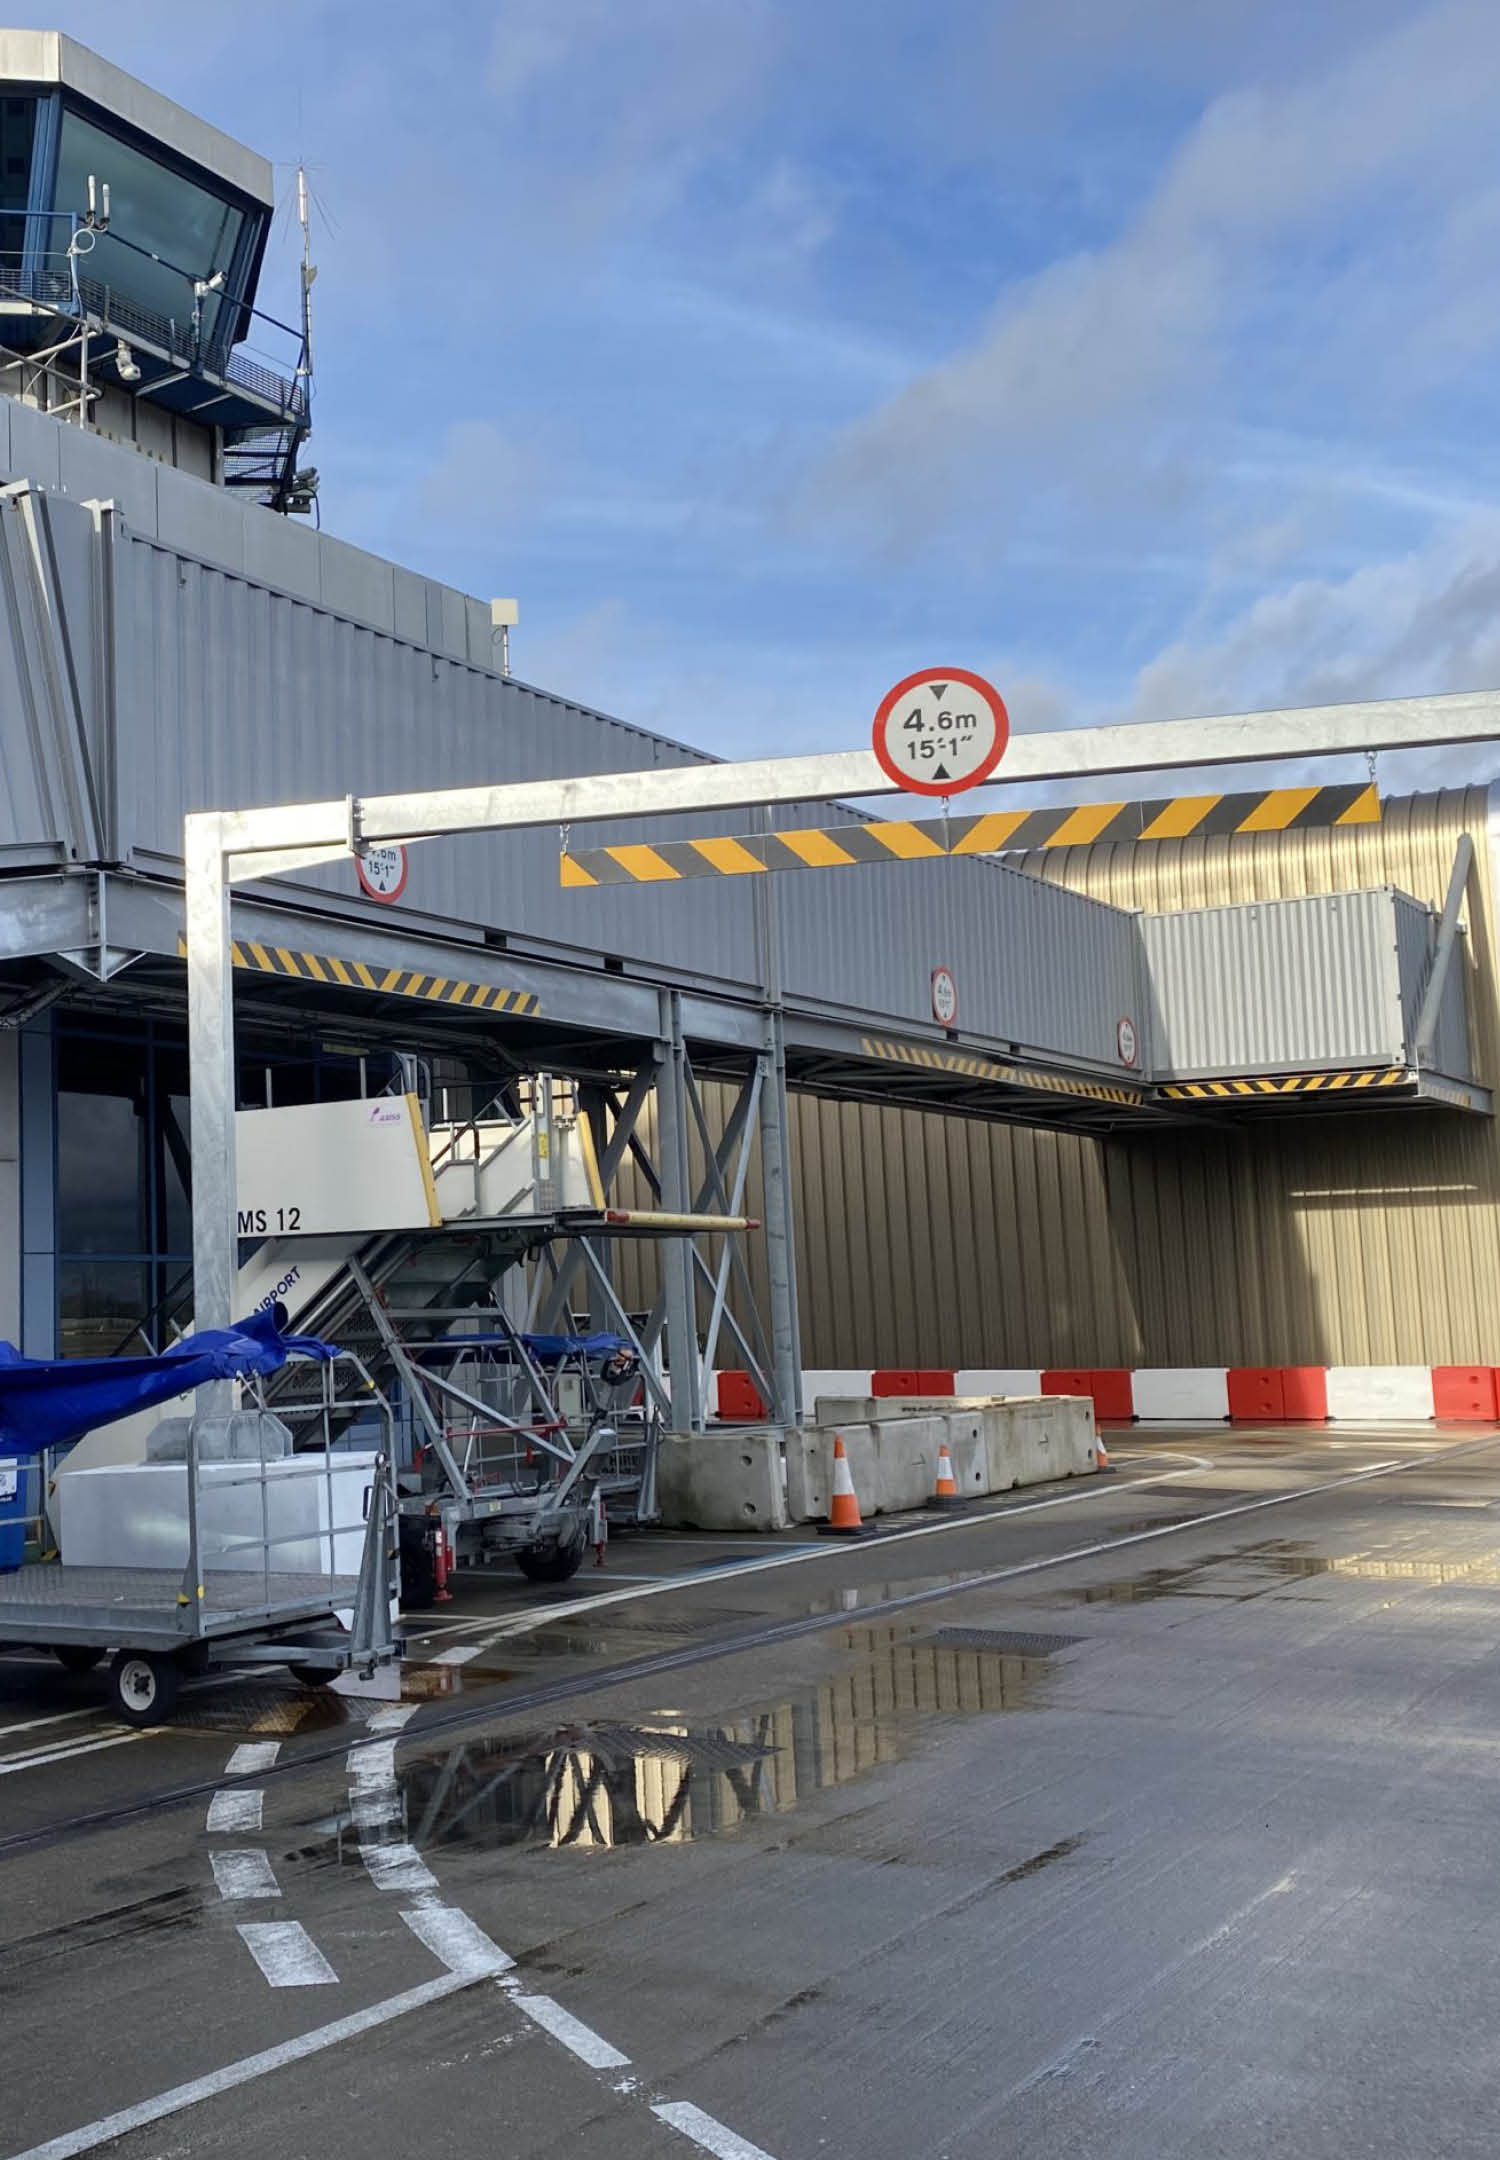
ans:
(975, 1068)
(995, 832)
(332, 972)
(1320, 1083)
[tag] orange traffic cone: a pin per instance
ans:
(843, 1507)
(1101, 1454)
(945, 1493)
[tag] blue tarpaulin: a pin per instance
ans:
(546, 1349)
(45, 1402)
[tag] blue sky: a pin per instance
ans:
(1139, 353)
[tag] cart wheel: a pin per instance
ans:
(76, 1657)
(311, 1675)
(551, 1563)
(143, 1686)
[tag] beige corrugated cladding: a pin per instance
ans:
(1337, 1239)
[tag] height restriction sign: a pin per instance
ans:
(941, 731)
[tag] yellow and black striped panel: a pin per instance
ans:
(332, 972)
(1319, 1083)
(840, 847)
(929, 1059)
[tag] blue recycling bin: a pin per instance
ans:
(18, 1481)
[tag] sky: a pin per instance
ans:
(1140, 354)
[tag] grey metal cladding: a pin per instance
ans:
(865, 941)
(51, 745)
(1331, 980)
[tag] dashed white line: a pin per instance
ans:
(229, 1811)
(287, 1954)
(243, 2072)
(457, 1941)
(245, 1874)
(392, 1717)
(251, 1756)
(579, 2039)
(460, 1654)
(397, 1867)
(704, 2130)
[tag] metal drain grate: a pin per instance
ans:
(1003, 1642)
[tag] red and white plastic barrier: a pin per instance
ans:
(1241, 1394)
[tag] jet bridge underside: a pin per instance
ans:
(1229, 1013)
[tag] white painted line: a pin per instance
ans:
(287, 1954)
(243, 2072)
(393, 1717)
(45, 1757)
(581, 2040)
(523, 1622)
(253, 1755)
(56, 1717)
(244, 1874)
(234, 1811)
(704, 2130)
(459, 1655)
(397, 1867)
(457, 1941)
(372, 1762)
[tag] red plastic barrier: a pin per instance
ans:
(910, 1381)
(1067, 1383)
(1108, 1388)
(1304, 1393)
(1114, 1399)
(1256, 1394)
(1464, 1391)
(740, 1400)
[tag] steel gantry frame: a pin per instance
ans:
(224, 848)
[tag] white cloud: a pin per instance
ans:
(483, 476)
(1097, 375)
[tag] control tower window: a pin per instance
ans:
(17, 133)
(191, 231)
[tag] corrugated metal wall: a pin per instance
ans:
(1340, 1239)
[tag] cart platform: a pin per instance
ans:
(144, 1608)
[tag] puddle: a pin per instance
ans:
(668, 1781)
(1258, 1570)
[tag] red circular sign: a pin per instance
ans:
(382, 872)
(1127, 1042)
(940, 731)
(944, 997)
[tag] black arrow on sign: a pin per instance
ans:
(941, 773)
(939, 690)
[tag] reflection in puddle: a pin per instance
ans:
(1256, 1570)
(666, 1782)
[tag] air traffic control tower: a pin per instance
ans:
(131, 241)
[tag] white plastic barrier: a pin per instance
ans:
(997, 1380)
(1181, 1392)
(815, 1384)
(1400, 1392)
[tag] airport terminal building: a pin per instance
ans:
(1221, 1099)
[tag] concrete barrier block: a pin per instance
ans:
(1380, 1391)
(723, 1481)
(1032, 1442)
(809, 1469)
(906, 1453)
(1185, 1392)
